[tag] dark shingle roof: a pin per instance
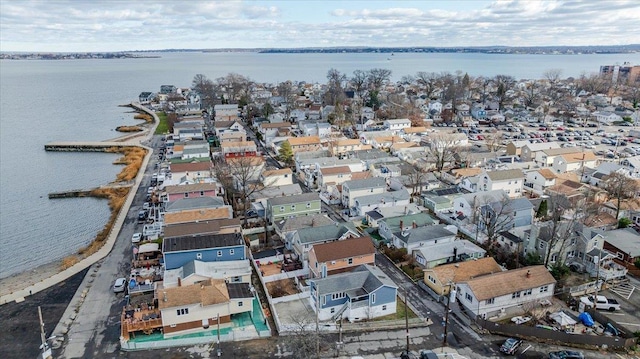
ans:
(187, 243)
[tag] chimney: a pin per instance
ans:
(401, 225)
(179, 282)
(406, 210)
(414, 225)
(528, 273)
(455, 253)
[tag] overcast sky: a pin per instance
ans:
(113, 25)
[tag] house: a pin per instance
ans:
(196, 271)
(632, 164)
(414, 238)
(227, 112)
(374, 217)
(198, 307)
(605, 117)
(443, 253)
(271, 130)
(167, 89)
(314, 128)
(514, 148)
(602, 171)
(214, 226)
(364, 204)
(341, 147)
(340, 256)
(538, 181)
(260, 197)
(386, 142)
(194, 215)
(285, 227)
(195, 170)
(492, 295)
(529, 151)
(179, 251)
(226, 135)
(388, 226)
(146, 97)
(504, 214)
(333, 176)
(624, 243)
(396, 125)
(195, 190)
(546, 157)
(441, 278)
(301, 144)
(574, 161)
(358, 188)
(232, 125)
(277, 177)
(239, 149)
(364, 293)
(293, 206)
(303, 239)
(510, 181)
(465, 205)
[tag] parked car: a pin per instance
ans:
(120, 285)
(136, 238)
(142, 216)
(566, 354)
(510, 346)
(601, 303)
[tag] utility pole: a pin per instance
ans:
(46, 351)
(406, 317)
(317, 321)
(446, 314)
(219, 350)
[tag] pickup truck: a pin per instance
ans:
(602, 303)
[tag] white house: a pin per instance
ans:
(574, 161)
(539, 180)
(278, 177)
(492, 295)
(364, 204)
(449, 252)
(466, 204)
(397, 125)
(226, 112)
(351, 190)
(606, 117)
(511, 181)
(414, 238)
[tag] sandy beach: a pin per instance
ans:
(25, 279)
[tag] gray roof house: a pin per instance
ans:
(422, 236)
(389, 226)
(286, 226)
(442, 253)
(303, 239)
(357, 188)
(364, 204)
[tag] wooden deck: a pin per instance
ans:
(143, 320)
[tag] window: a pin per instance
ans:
(490, 301)
(232, 251)
(172, 325)
(350, 260)
(517, 190)
(198, 255)
(544, 288)
(186, 195)
(541, 245)
(281, 208)
(371, 190)
(620, 255)
(384, 307)
(340, 295)
(182, 311)
(515, 295)
(219, 253)
(240, 304)
(461, 205)
(201, 193)
(373, 298)
(554, 258)
(431, 279)
(308, 205)
(526, 292)
(468, 297)
(293, 207)
(333, 310)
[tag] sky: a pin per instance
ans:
(115, 25)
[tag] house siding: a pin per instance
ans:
(277, 212)
(481, 308)
(174, 260)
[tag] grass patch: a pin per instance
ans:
(132, 159)
(399, 314)
(163, 126)
(144, 116)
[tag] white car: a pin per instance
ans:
(120, 285)
(136, 238)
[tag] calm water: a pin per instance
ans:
(43, 101)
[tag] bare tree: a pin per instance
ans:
(552, 75)
(222, 173)
(594, 83)
(206, 89)
(415, 181)
(531, 94)
(492, 140)
(303, 338)
(559, 229)
(335, 90)
(235, 86)
(504, 83)
(378, 77)
(620, 187)
(493, 217)
(359, 83)
(442, 148)
(428, 82)
(289, 96)
(245, 172)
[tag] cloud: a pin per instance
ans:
(123, 25)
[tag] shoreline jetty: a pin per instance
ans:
(128, 141)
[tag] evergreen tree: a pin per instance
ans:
(285, 154)
(542, 210)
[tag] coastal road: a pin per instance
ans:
(96, 329)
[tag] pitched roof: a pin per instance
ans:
(277, 172)
(324, 233)
(426, 233)
(385, 197)
(301, 141)
(365, 183)
(441, 251)
(503, 283)
(505, 175)
(328, 171)
(547, 173)
(276, 125)
(579, 156)
(305, 197)
(190, 167)
(348, 248)
(348, 142)
(415, 129)
(209, 292)
(184, 204)
(237, 144)
(562, 151)
(313, 220)
(362, 280)
(463, 271)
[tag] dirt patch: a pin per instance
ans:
(282, 288)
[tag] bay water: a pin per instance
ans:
(78, 100)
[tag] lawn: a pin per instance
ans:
(163, 126)
(399, 314)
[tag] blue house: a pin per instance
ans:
(179, 251)
(478, 113)
(364, 293)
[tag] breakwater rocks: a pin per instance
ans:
(81, 146)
